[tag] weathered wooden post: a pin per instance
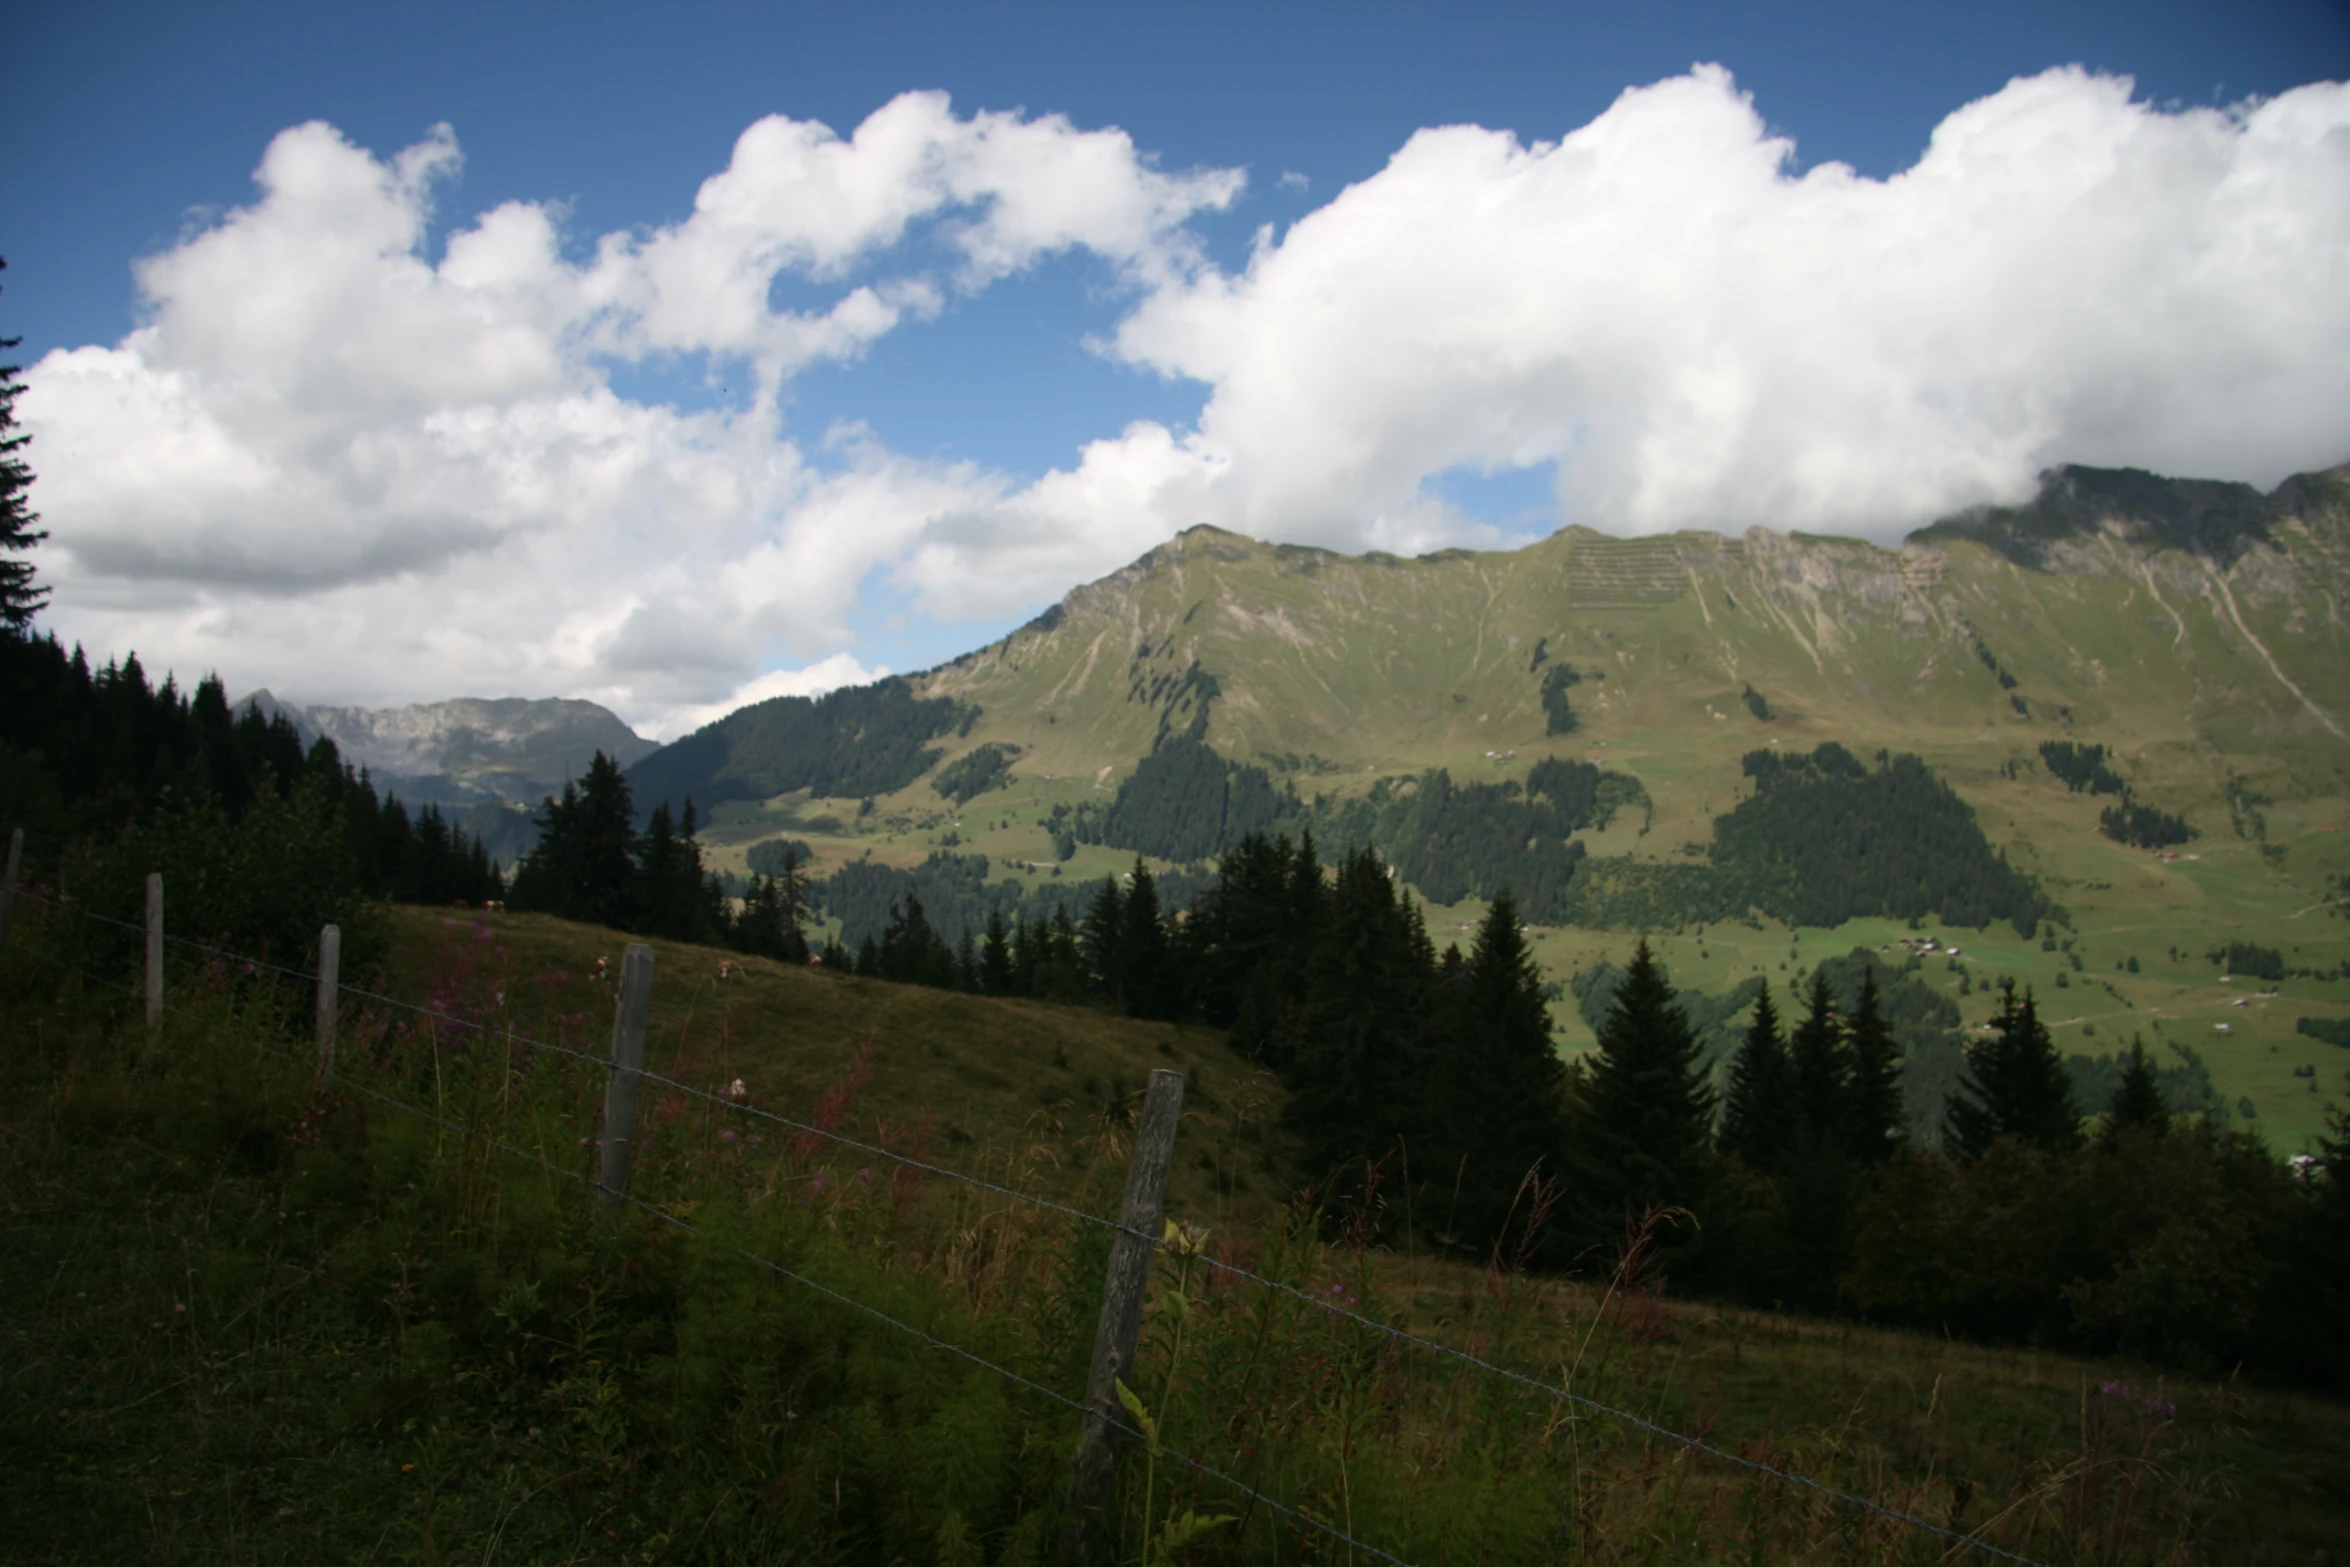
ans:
(1131, 1253)
(8, 881)
(330, 963)
(154, 948)
(628, 1060)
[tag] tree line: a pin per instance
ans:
(94, 759)
(592, 864)
(1426, 1097)
(2135, 1230)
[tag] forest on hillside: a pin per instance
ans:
(1823, 838)
(851, 743)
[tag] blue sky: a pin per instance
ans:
(987, 435)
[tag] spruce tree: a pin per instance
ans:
(2137, 1099)
(1639, 1136)
(19, 598)
(1496, 1093)
(757, 927)
(1875, 1117)
(2013, 1086)
(1028, 956)
(995, 956)
(605, 879)
(659, 866)
(1817, 1055)
(584, 865)
(911, 951)
(1102, 942)
(1353, 1042)
(1150, 988)
(1759, 1114)
(792, 913)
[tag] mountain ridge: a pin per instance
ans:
(467, 750)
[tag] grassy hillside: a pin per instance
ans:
(1022, 1089)
(2196, 631)
(255, 1325)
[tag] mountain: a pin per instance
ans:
(2154, 612)
(468, 751)
(2087, 741)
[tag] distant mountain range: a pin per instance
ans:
(467, 751)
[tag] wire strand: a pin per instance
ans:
(879, 1315)
(724, 1102)
(128, 989)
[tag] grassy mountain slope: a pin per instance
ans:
(2196, 630)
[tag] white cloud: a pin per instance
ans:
(1700, 337)
(326, 462)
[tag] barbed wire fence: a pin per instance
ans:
(1137, 1227)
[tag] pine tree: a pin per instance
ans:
(1150, 987)
(792, 914)
(657, 867)
(2325, 1273)
(1875, 1118)
(1103, 942)
(1496, 1094)
(1356, 1072)
(2137, 1099)
(2013, 1086)
(1639, 1134)
(757, 926)
(1820, 1061)
(911, 950)
(1248, 937)
(584, 865)
(1759, 1113)
(1028, 942)
(19, 598)
(995, 957)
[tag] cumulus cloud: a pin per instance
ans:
(326, 462)
(1698, 336)
(325, 458)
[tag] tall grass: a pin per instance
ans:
(264, 1320)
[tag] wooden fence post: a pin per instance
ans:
(8, 882)
(330, 965)
(1131, 1253)
(628, 1060)
(154, 948)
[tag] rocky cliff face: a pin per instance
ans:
(469, 749)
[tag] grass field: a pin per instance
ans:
(245, 1333)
